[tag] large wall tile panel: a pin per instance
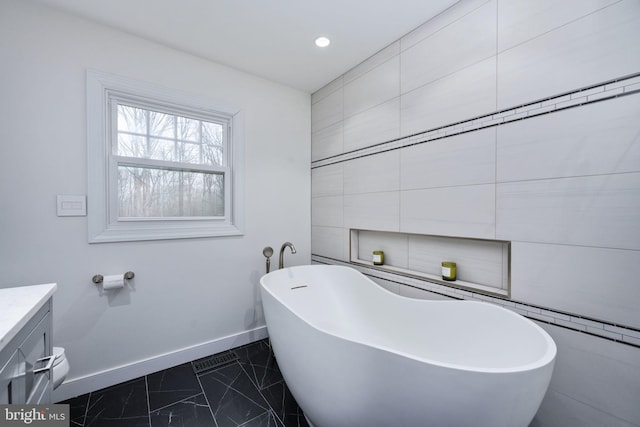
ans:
(598, 47)
(465, 42)
(602, 211)
(467, 211)
(370, 174)
(372, 211)
(374, 87)
(332, 242)
(327, 180)
(592, 282)
(327, 90)
(327, 141)
(440, 21)
(372, 62)
(468, 158)
(522, 20)
(558, 409)
(327, 211)
(460, 96)
(599, 138)
(378, 124)
(597, 373)
(327, 111)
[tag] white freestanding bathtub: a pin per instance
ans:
(354, 354)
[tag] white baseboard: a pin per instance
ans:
(73, 387)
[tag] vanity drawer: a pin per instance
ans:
(11, 379)
(38, 360)
(26, 362)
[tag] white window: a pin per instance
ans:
(162, 164)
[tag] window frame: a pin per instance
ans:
(104, 92)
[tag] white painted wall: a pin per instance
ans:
(189, 296)
(563, 187)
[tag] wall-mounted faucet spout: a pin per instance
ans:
(284, 245)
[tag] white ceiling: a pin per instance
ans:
(269, 38)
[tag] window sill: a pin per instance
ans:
(131, 234)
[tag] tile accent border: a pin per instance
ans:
(599, 328)
(623, 86)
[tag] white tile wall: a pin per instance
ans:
(372, 211)
(327, 111)
(460, 96)
(372, 173)
(461, 44)
(466, 211)
(613, 380)
(327, 211)
(327, 141)
(374, 61)
(601, 211)
(374, 87)
(595, 282)
(558, 409)
(464, 159)
(327, 90)
(522, 20)
(377, 124)
(332, 242)
(572, 143)
(592, 49)
(553, 114)
(440, 21)
(327, 181)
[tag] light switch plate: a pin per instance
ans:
(72, 205)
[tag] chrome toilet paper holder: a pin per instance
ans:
(98, 278)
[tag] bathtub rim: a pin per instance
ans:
(546, 359)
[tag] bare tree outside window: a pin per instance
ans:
(179, 187)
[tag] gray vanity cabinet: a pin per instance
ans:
(26, 362)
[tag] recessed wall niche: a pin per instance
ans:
(483, 266)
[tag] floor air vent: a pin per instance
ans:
(213, 362)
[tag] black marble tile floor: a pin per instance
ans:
(248, 391)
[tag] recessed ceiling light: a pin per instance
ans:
(322, 42)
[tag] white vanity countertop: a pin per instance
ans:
(17, 305)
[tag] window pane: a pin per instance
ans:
(212, 155)
(161, 149)
(212, 133)
(147, 192)
(188, 129)
(189, 152)
(146, 148)
(132, 120)
(213, 140)
(153, 135)
(130, 145)
(161, 124)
